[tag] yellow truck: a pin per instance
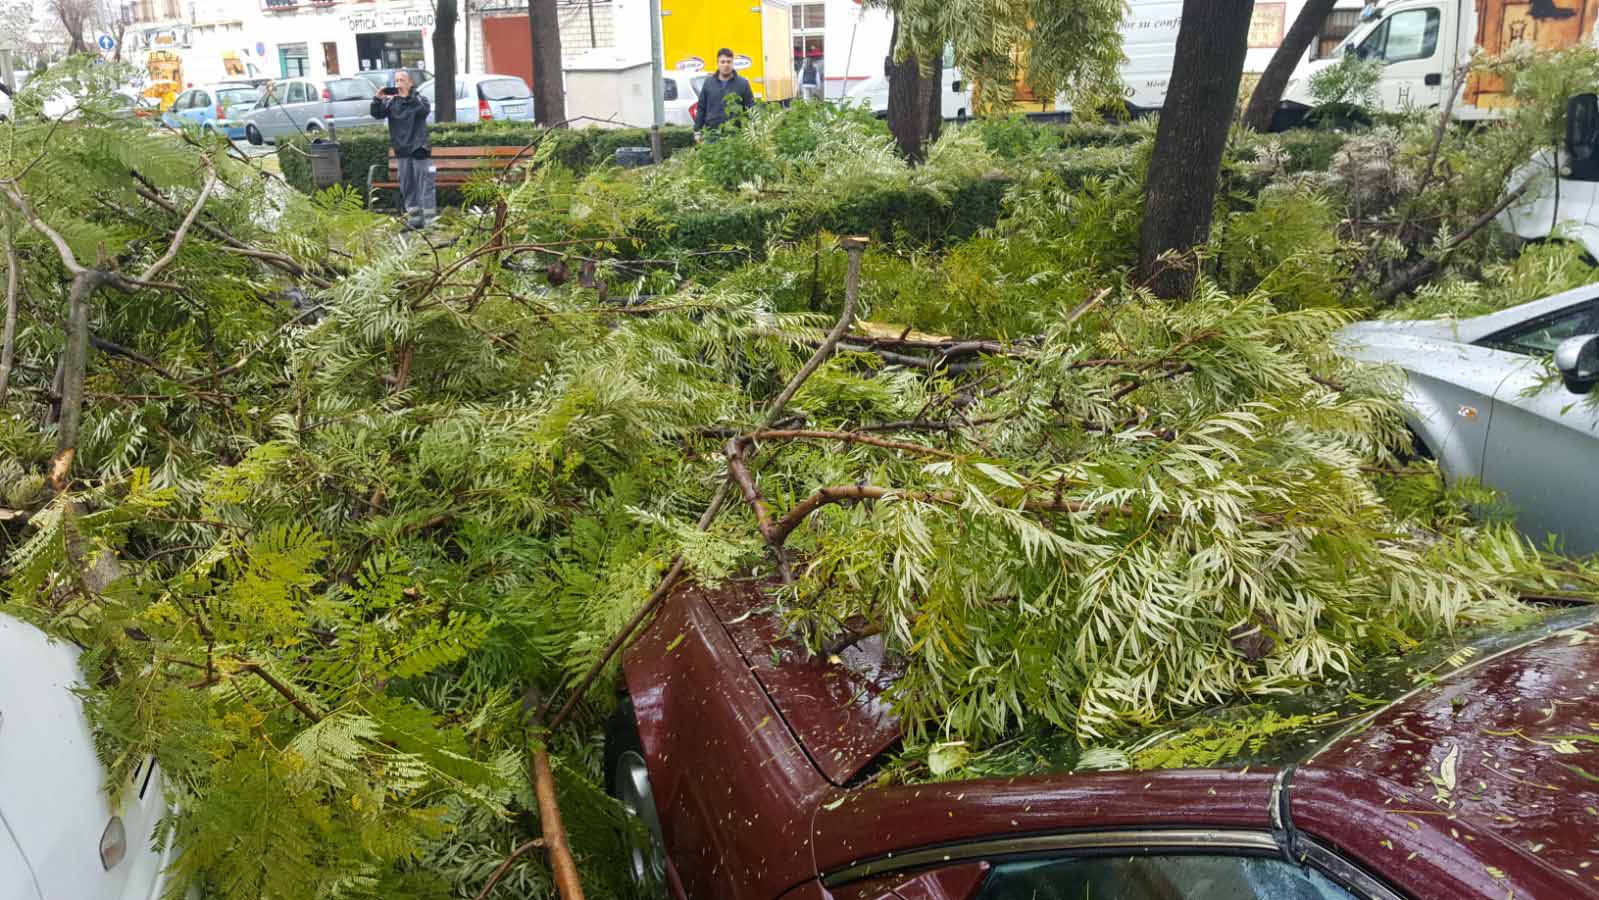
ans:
(759, 32)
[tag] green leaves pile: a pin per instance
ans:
(346, 496)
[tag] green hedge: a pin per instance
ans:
(578, 149)
(895, 214)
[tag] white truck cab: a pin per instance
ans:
(1422, 44)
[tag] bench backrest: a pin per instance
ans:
(470, 158)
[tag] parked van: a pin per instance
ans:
(1421, 44)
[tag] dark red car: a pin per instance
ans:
(750, 764)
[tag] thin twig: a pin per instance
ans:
(505, 867)
(182, 233)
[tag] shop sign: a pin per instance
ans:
(1266, 25)
(389, 20)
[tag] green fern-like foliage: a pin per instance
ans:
(344, 497)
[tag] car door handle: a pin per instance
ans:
(1433, 79)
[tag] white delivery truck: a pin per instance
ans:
(1149, 41)
(1421, 44)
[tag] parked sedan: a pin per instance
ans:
(750, 763)
(1500, 398)
(63, 837)
(482, 98)
(213, 108)
(303, 105)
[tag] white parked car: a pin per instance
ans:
(61, 838)
(681, 90)
(956, 97)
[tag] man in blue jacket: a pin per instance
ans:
(712, 111)
(407, 112)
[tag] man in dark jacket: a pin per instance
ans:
(712, 111)
(407, 112)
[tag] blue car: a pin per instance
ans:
(215, 108)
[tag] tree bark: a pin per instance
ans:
(915, 113)
(1185, 168)
(1269, 92)
(444, 62)
(549, 93)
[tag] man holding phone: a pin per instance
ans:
(407, 112)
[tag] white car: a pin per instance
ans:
(61, 838)
(681, 91)
(955, 98)
(5, 101)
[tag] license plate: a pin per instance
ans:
(517, 109)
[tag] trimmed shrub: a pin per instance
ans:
(577, 149)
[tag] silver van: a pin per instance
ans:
(305, 106)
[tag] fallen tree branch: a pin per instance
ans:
(562, 866)
(8, 333)
(850, 437)
(284, 691)
(845, 492)
(855, 246)
(278, 261)
(1413, 275)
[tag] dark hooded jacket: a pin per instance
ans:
(408, 123)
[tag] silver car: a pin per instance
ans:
(310, 107)
(1507, 398)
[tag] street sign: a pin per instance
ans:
(106, 43)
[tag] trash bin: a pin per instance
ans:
(325, 168)
(633, 157)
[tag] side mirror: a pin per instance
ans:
(957, 86)
(1577, 359)
(1582, 127)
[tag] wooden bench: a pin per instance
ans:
(455, 166)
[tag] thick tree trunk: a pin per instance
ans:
(1185, 167)
(549, 93)
(915, 113)
(444, 64)
(1269, 92)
